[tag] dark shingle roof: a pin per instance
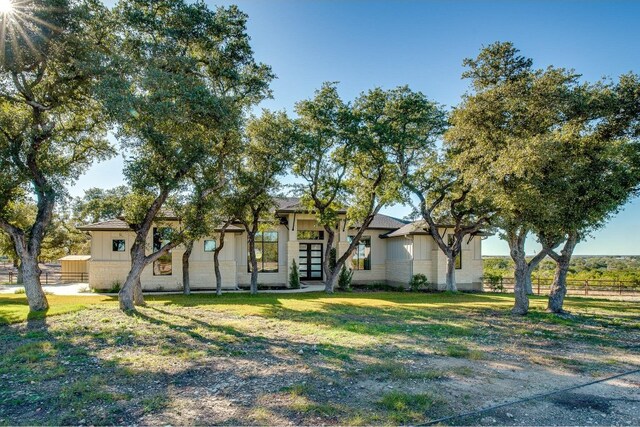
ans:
(421, 227)
(291, 204)
(120, 225)
(283, 204)
(417, 227)
(109, 225)
(385, 222)
(287, 203)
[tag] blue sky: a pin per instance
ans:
(364, 44)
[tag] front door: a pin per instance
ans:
(310, 261)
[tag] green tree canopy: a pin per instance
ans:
(185, 78)
(51, 126)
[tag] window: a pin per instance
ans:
(163, 266)
(118, 245)
(310, 235)
(459, 256)
(266, 252)
(209, 245)
(361, 259)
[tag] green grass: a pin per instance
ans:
(403, 408)
(396, 370)
(357, 358)
(15, 309)
(462, 351)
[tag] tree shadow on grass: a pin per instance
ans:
(168, 364)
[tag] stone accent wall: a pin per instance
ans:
(399, 273)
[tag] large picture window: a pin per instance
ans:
(361, 259)
(266, 252)
(459, 256)
(163, 266)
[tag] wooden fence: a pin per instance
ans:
(594, 287)
(47, 277)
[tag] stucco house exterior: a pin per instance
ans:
(391, 251)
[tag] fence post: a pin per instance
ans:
(46, 278)
(586, 287)
(620, 285)
(538, 285)
(10, 277)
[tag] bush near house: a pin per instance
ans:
(294, 276)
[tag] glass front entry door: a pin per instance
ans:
(310, 261)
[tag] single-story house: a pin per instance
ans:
(391, 251)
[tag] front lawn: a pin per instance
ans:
(361, 358)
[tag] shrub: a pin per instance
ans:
(332, 258)
(495, 282)
(344, 279)
(115, 287)
(419, 281)
(294, 276)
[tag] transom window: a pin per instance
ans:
(118, 245)
(361, 259)
(266, 252)
(310, 235)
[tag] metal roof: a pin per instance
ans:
(75, 258)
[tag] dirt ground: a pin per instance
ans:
(290, 360)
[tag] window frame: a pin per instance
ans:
(355, 257)
(124, 245)
(215, 245)
(260, 244)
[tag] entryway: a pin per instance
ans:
(310, 261)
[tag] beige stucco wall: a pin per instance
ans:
(469, 277)
(419, 254)
(398, 266)
(74, 266)
(393, 260)
(106, 267)
(378, 272)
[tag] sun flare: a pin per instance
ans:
(6, 6)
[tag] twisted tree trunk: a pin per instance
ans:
(516, 250)
(333, 273)
(450, 278)
(559, 285)
(216, 257)
(251, 239)
(138, 297)
(522, 271)
(130, 294)
(186, 285)
(32, 285)
(330, 271)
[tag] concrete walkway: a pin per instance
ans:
(66, 289)
(82, 289)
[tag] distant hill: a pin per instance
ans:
(618, 267)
